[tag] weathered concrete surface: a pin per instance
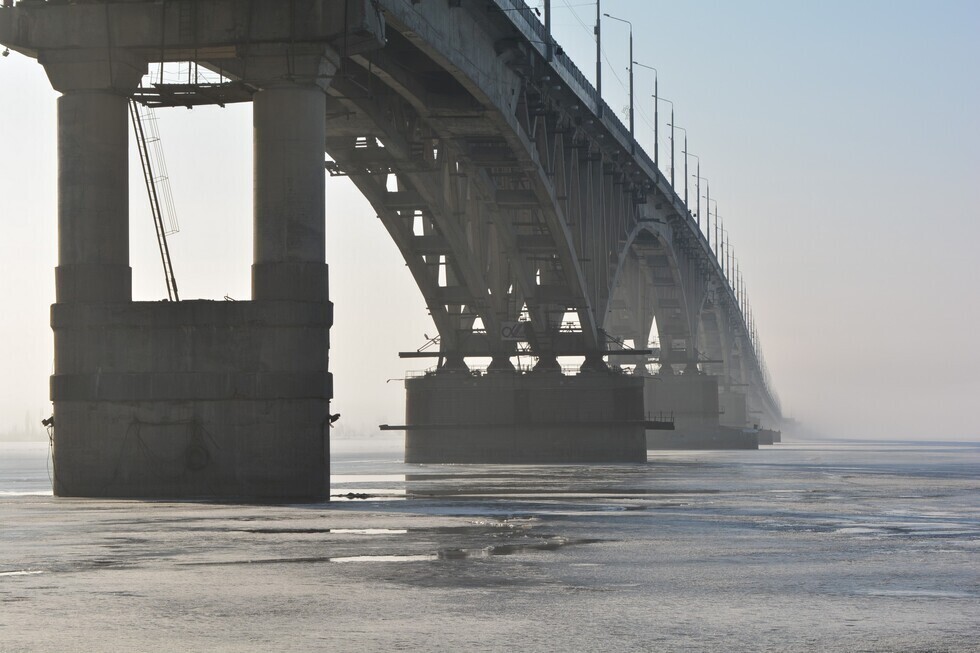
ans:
(196, 398)
(524, 418)
(290, 194)
(719, 437)
(733, 408)
(206, 29)
(693, 400)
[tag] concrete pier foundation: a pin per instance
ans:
(732, 405)
(194, 398)
(538, 417)
(693, 400)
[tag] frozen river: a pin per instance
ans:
(847, 546)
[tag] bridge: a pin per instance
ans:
(532, 221)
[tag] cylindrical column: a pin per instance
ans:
(93, 198)
(289, 186)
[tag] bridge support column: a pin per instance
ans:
(594, 363)
(547, 362)
(191, 398)
(454, 363)
(289, 240)
(93, 168)
(501, 363)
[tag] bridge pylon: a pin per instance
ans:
(191, 398)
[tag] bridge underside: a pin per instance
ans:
(516, 201)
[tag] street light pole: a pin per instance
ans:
(598, 57)
(724, 249)
(738, 284)
(656, 100)
(632, 133)
(707, 204)
(716, 230)
(685, 159)
(549, 52)
(656, 117)
(697, 189)
(672, 166)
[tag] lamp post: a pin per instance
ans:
(550, 49)
(724, 249)
(672, 125)
(657, 99)
(656, 117)
(632, 137)
(697, 192)
(741, 288)
(708, 201)
(716, 229)
(598, 56)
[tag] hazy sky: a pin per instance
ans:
(841, 140)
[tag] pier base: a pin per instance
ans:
(721, 437)
(693, 400)
(191, 399)
(516, 418)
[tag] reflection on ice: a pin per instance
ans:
(369, 531)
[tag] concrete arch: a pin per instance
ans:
(650, 272)
(500, 160)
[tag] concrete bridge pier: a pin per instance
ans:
(540, 416)
(693, 400)
(191, 398)
(733, 408)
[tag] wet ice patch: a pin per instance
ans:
(920, 593)
(858, 530)
(422, 557)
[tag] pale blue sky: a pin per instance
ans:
(842, 144)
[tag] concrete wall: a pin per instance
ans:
(733, 409)
(691, 398)
(524, 418)
(195, 398)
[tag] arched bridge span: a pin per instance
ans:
(511, 190)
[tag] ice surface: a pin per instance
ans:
(797, 547)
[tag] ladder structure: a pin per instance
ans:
(157, 187)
